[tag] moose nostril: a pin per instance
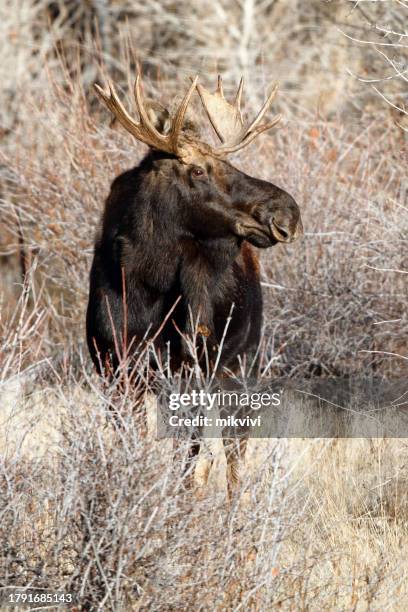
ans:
(280, 232)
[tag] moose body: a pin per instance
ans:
(178, 236)
(163, 239)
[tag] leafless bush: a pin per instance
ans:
(257, 38)
(105, 514)
(346, 281)
(380, 33)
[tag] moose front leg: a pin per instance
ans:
(195, 281)
(235, 450)
(204, 281)
(185, 455)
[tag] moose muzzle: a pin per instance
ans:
(277, 220)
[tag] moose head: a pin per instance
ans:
(213, 199)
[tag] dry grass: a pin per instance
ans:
(100, 509)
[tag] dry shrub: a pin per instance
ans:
(105, 514)
(340, 292)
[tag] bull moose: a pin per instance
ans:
(178, 232)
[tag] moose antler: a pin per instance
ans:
(145, 130)
(227, 119)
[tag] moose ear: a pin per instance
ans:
(158, 115)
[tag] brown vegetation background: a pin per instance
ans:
(90, 507)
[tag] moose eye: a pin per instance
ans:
(196, 172)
